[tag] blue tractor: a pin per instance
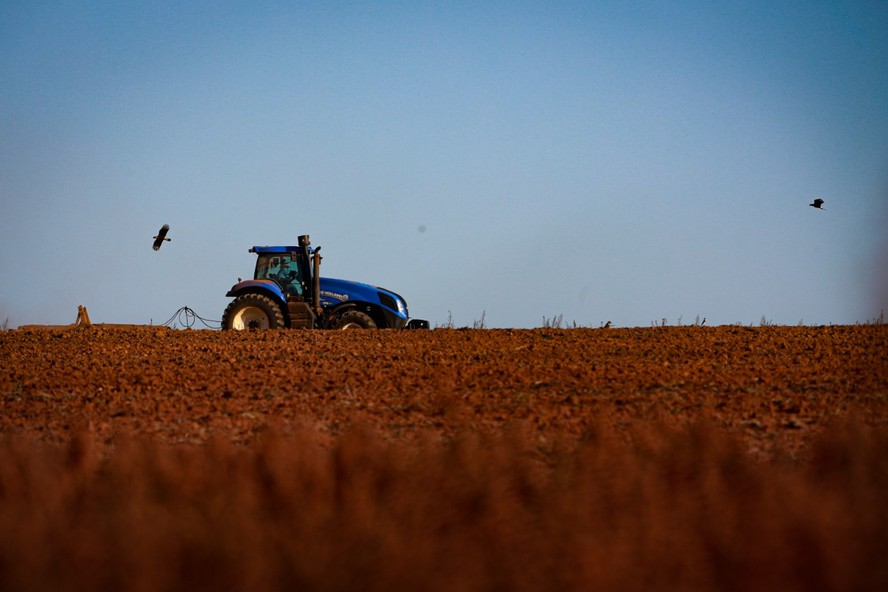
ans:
(287, 292)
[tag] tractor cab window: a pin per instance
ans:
(283, 268)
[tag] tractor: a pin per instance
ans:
(287, 291)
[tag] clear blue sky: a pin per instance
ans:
(623, 161)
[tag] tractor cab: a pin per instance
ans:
(287, 270)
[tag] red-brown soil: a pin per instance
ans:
(687, 458)
(771, 386)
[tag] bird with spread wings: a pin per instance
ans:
(161, 236)
(818, 203)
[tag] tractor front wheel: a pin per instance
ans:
(252, 311)
(355, 319)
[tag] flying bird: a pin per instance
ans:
(818, 203)
(161, 236)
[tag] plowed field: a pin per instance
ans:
(771, 386)
(571, 459)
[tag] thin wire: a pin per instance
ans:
(186, 317)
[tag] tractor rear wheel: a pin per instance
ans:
(252, 311)
(355, 319)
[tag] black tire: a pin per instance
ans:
(252, 311)
(354, 319)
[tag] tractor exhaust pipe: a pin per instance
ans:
(316, 280)
(304, 243)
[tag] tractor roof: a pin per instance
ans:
(277, 249)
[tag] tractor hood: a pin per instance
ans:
(335, 292)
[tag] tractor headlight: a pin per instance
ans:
(394, 302)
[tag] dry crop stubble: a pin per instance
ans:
(680, 508)
(670, 457)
